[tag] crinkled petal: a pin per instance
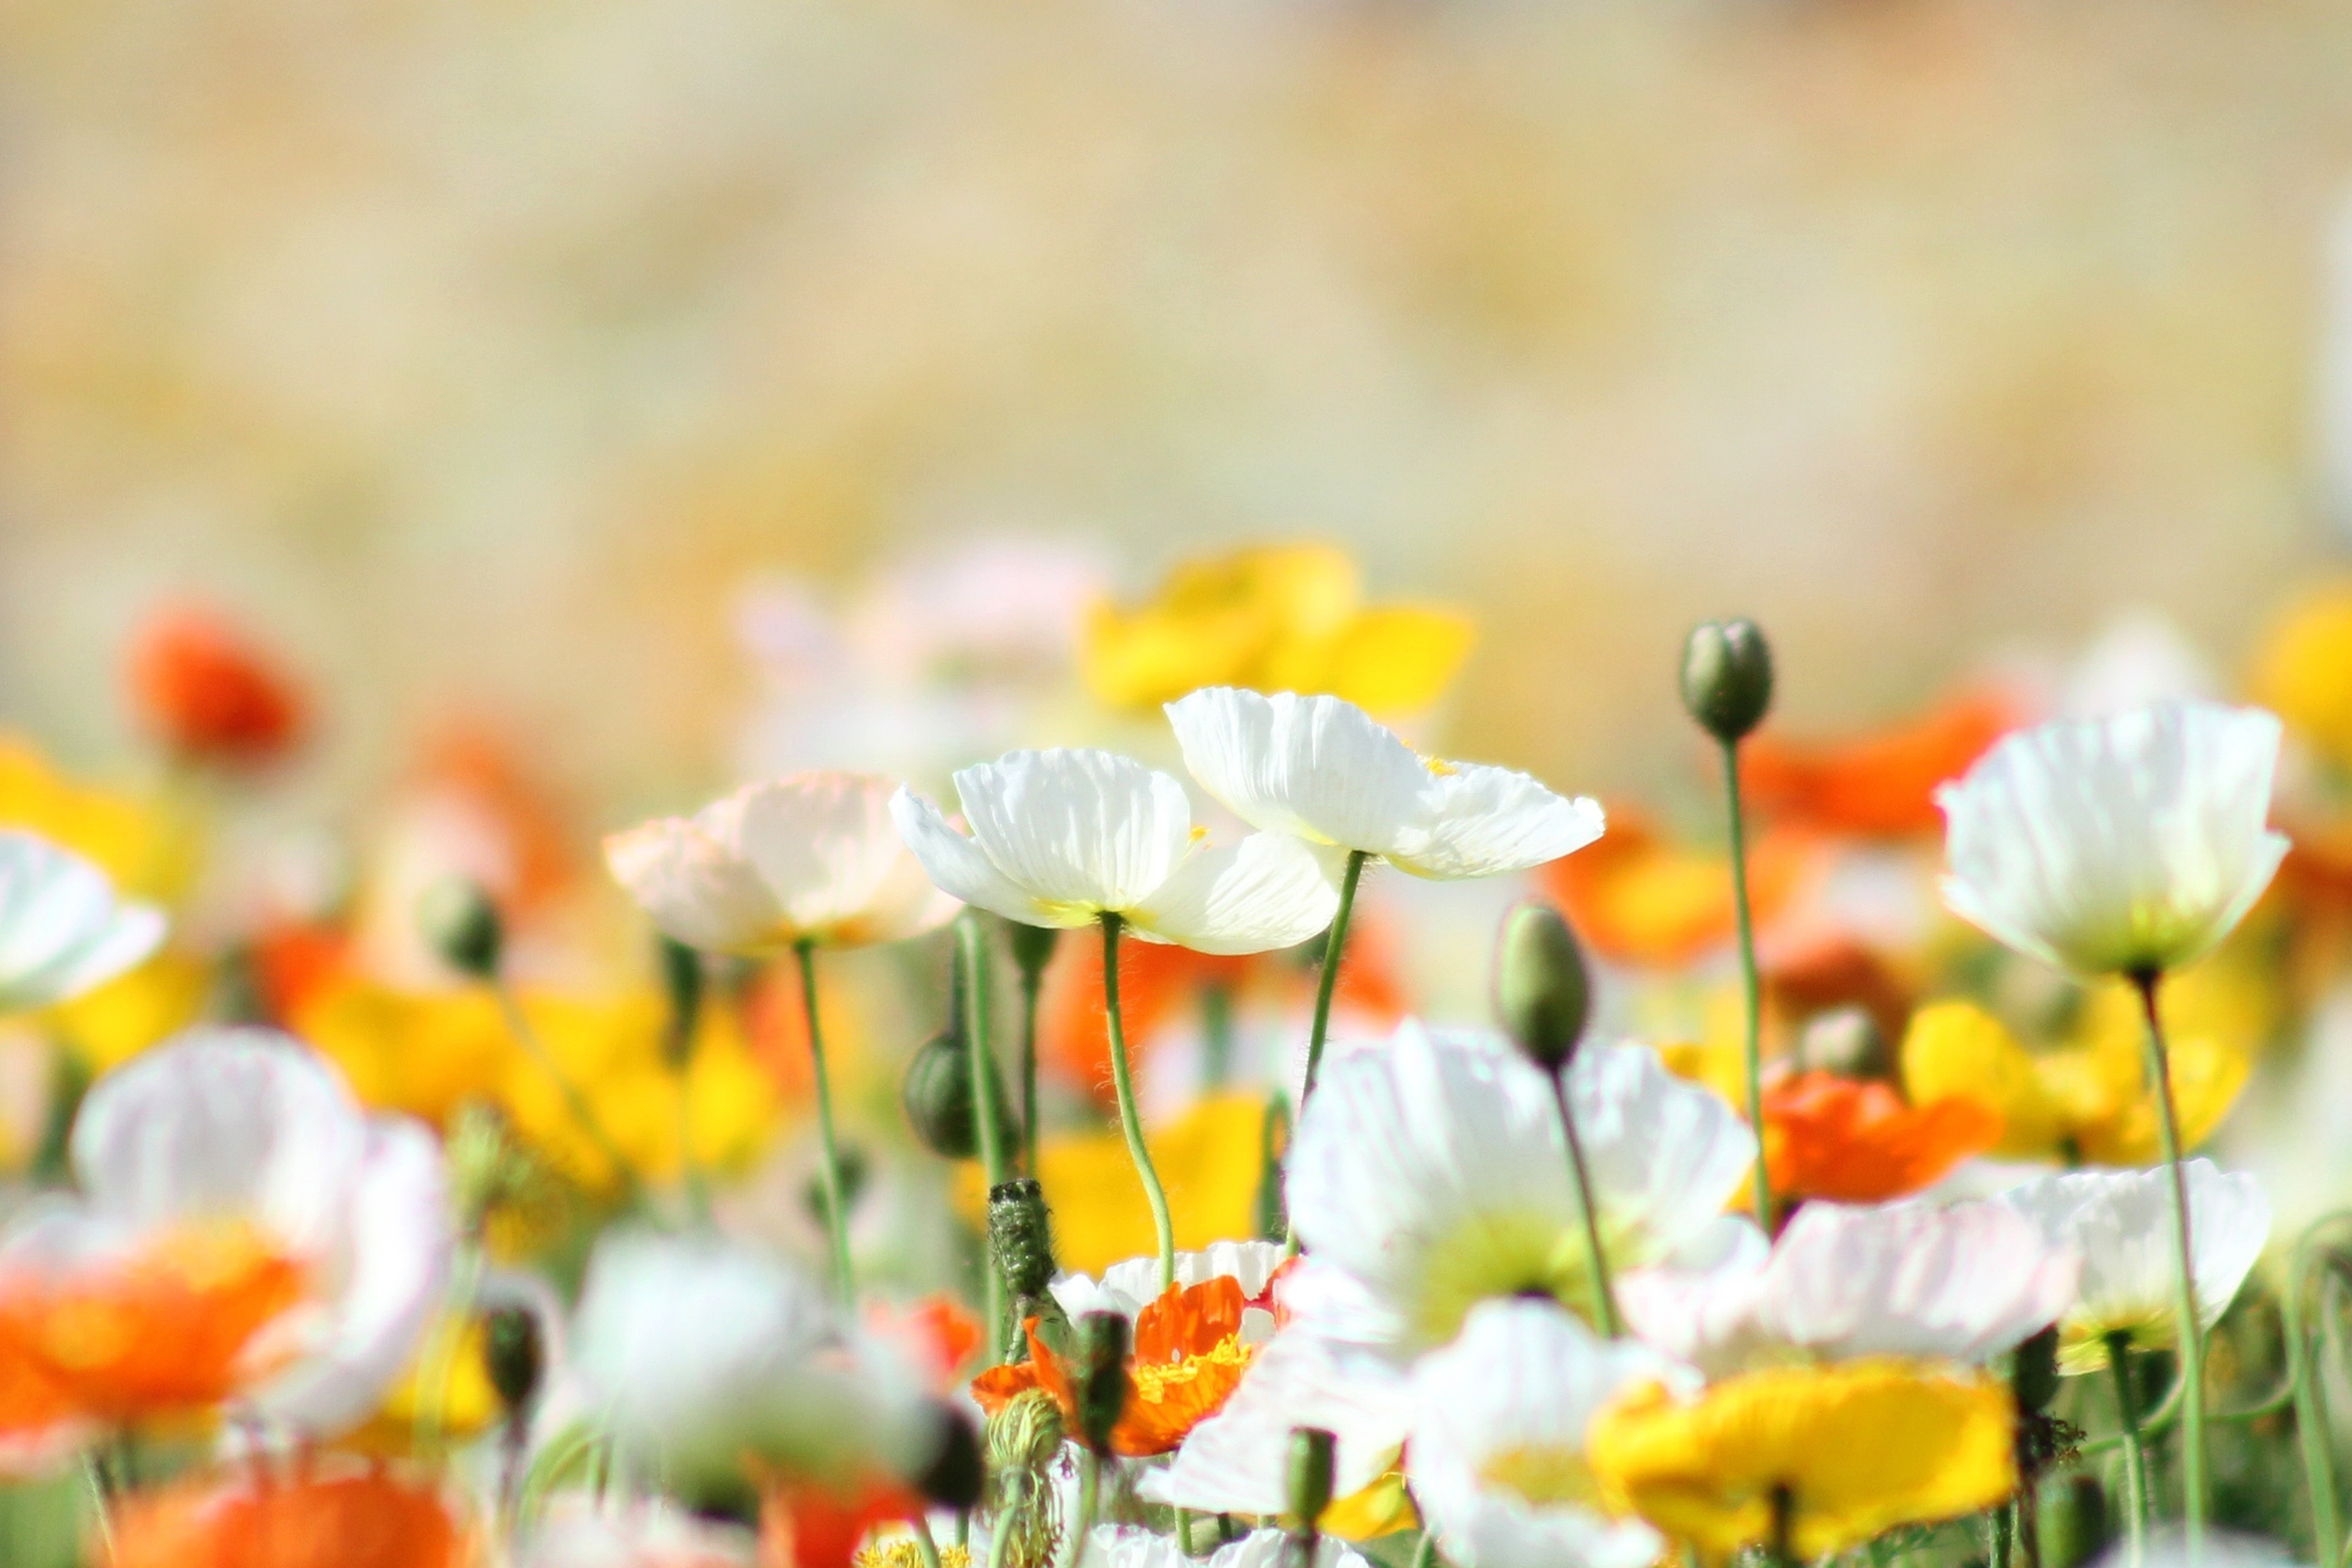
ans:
(61, 930)
(1269, 890)
(1078, 829)
(696, 887)
(1317, 767)
(1492, 820)
(825, 844)
(960, 868)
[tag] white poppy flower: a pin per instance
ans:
(1129, 1546)
(1961, 1283)
(2119, 845)
(2120, 1223)
(1322, 769)
(1235, 1461)
(695, 1351)
(1063, 837)
(248, 1132)
(1127, 1288)
(812, 858)
(1496, 1456)
(1432, 1169)
(62, 931)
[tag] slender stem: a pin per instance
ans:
(1090, 1494)
(982, 1065)
(1596, 1259)
(1782, 1546)
(1216, 1034)
(1328, 982)
(2195, 1492)
(1751, 986)
(444, 1342)
(1129, 1122)
(1424, 1551)
(2135, 1455)
(836, 1219)
(925, 1547)
(575, 1104)
(1029, 987)
(102, 1502)
(2310, 1405)
(1999, 1520)
(2029, 1520)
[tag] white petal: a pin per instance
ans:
(1317, 767)
(401, 1231)
(1269, 890)
(237, 1123)
(1082, 828)
(1131, 1546)
(1524, 1375)
(825, 844)
(1492, 820)
(697, 888)
(61, 931)
(963, 871)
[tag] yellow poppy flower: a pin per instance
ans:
(1210, 1160)
(2303, 669)
(1380, 1507)
(149, 849)
(1272, 618)
(1854, 1449)
(456, 1354)
(138, 1008)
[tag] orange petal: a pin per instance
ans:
(356, 1522)
(1881, 784)
(1829, 1137)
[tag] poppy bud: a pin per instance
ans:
(1031, 947)
(1541, 988)
(1102, 1378)
(462, 925)
(937, 1098)
(1021, 1236)
(2074, 1525)
(681, 971)
(952, 1479)
(2033, 1372)
(514, 1356)
(1309, 1477)
(1728, 678)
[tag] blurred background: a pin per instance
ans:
(602, 371)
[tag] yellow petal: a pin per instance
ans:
(1381, 1508)
(134, 1010)
(467, 1405)
(1958, 1049)
(2303, 671)
(1396, 660)
(149, 850)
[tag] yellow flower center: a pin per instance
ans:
(1542, 1473)
(1152, 1383)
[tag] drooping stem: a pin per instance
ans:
(2194, 1487)
(1750, 985)
(1030, 984)
(1130, 1123)
(1328, 982)
(2310, 1401)
(981, 1061)
(575, 1104)
(1596, 1259)
(836, 1217)
(1783, 1546)
(2135, 1455)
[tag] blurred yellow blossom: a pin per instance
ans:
(148, 847)
(1211, 1160)
(2303, 669)
(1272, 618)
(136, 1009)
(1855, 1449)
(454, 1354)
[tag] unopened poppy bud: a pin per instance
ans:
(1031, 947)
(1020, 1235)
(952, 1479)
(462, 924)
(514, 1356)
(1728, 678)
(1102, 1377)
(1309, 1478)
(681, 972)
(2034, 1371)
(2074, 1525)
(1541, 988)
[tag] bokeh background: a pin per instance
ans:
(524, 358)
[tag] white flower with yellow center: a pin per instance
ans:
(1063, 837)
(1322, 769)
(2125, 845)
(2119, 1223)
(1961, 1283)
(1431, 1169)
(62, 930)
(1496, 1456)
(1128, 1546)
(813, 858)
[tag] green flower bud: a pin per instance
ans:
(937, 1099)
(1309, 1477)
(1728, 678)
(2034, 1371)
(2075, 1528)
(1020, 1235)
(1031, 947)
(514, 1356)
(462, 925)
(1541, 988)
(1101, 1382)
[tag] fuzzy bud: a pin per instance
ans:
(1020, 1235)
(1541, 988)
(1310, 1475)
(462, 925)
(1102, 1382)
(1728, 678)
(514, 1356)
(1031, 947)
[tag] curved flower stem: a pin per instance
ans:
(836, 1219)
(1750, 983)
(973, 941)
(575, 1104)
(1129, 1122)
(1596, 1259)
(2310, 1398)
(926, 1548)
(1329, 980)
(2195, 1494)
(2135, 1456)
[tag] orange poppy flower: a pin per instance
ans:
(804, 1525)
(1640, 896)
(1882, 784)
(370, 1520)
(938, 1332)
(1186, 1360)
(209, 694)
(171, 1327)
(1855, 1141)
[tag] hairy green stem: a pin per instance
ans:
(1751, 984)
(1029, 987)
(836, 1217)
(982, 1065)
(2134, 1454)
(1596, 1258)
(1328, 982)
(1131, 1123)
(2195, 1488)
(1089, 1497)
